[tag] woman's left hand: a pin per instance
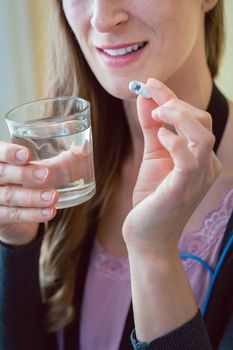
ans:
(177, 170)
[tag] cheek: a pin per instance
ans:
(174, 38)
(76, 15)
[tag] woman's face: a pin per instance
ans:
(124, 40)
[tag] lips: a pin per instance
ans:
(122, 54)
(123, 50)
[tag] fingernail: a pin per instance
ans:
(48, 196)
(40, 174)
(21, 154)
(46, 211)
(163, 131)
(154, 84)
(155, 113)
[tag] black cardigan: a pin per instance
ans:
(21, 311)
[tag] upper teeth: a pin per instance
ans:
(124, 51)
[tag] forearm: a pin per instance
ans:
(161, 293)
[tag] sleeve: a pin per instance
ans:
(20, 302)
(227, 339)
(191, 336)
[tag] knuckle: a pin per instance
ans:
(21, 175)
(190, 167)
(170, 97)
(14, 214)
(206, 120)
(212, 140)
(6, 195)
(181, 116)
(162, 111)
(8, 156)
(218, 168)
(207, 116)
(208, 142)
(30, 197)
(2, 173)
(177, 144)
(216, 164)
(172, 102)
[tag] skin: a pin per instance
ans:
(97, 27)
(27, 194)
(176, 172)
(169, 162)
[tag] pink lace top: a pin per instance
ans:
(205, 243)
(107, 292)
(107, 297)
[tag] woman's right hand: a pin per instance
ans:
(22, 206)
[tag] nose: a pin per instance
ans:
(107, 14)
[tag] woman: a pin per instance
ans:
(153, 198)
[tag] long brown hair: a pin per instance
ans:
(70, 75)
(214, 37)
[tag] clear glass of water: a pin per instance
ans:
(58, 133)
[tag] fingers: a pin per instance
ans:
(19, 204)
(24, 175)
(190, 122)
(18, 196)
(183, 111)
(187, 168)
(176, 145)
(69, 166)
(14, 154)
(66, 167)
(191, 148)
(9, 215)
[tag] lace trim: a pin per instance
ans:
(112, 266)
(200, 242)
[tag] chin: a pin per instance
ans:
(120, 91)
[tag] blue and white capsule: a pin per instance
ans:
(139, 88)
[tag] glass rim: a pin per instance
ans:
(55, 119)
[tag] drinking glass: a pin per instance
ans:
(58, 133)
